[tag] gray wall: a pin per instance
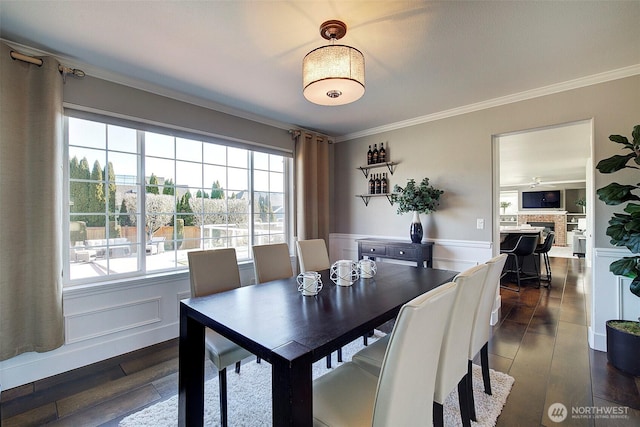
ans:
(456, 154)
(95, 94)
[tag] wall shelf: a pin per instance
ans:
(366, 197)
(388, 165)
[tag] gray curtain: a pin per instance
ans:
(312, 186)
(31, 143)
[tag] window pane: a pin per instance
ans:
(189, 174)
(214, 154)
(276, 182)
(162, 169)
(87, 133)
(276, 163)
(122, 139)
(237, 157)
(261, 180)
(238, 180)
(189, 149)
(261, 161)
(159, 145)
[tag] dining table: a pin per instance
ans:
(274, 321)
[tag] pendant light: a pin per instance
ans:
(333, 74)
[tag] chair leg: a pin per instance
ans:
(535, 265)
(365, 340)
(484, 362)
(238, 367)
(518, 271)
(438, 415)
(328, 361)
(258, 359)
(340, 355)
(464, 402)
(547, 266)
(222, 380)
(469, 387)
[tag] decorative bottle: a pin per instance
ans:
(372, 185)
(384, 184)
(382, 154)
(378, 184)
(369, 156)
(374, 155)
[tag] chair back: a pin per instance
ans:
(481, 323)
(548, 242)
(457, 338)
(407, 378)
(213, 271)
(312, 255)
(271, 262)
(526, 245)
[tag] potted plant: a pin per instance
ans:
(504, 206)
(423, 198)
(582, 202)
(623, 336)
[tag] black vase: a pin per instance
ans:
(415, 231)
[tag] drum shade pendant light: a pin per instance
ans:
(333, 74)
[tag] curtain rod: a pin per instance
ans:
(37, 61)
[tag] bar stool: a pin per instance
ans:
(525, 246)
(543, 249)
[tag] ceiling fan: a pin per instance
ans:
(535, 181)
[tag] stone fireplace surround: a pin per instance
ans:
(559, 218)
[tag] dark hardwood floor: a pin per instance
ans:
(540, 340)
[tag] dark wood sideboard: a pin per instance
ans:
(420, 253)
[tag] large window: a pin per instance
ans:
(140, 200)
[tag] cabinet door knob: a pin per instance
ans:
(373, 250)
(401, 252)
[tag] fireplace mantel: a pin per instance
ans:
(541, 212)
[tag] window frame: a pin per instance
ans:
(140, 128)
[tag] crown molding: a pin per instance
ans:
(504, 100)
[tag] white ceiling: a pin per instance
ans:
(423, 58)
(555, 156)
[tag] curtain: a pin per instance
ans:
(31, 144)
(312, 186)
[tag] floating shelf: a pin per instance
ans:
(366, 197)
(389, 165)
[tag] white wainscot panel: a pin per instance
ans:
(111, 319)
(611, 298)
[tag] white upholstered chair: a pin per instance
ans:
(399, 395)
(482, 329)
(313, 255)
(211, 272)
(271, 262)
(453, 366)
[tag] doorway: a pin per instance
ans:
(556, 159)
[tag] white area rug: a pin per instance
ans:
(249, 397)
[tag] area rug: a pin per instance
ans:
(249, 397)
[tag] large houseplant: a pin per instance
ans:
(623, 336)
(422, 198)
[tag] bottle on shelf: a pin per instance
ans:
(374, 155)
(378, 184)
(384, 185)
(369, 156)
(372, 185)
(382, 154)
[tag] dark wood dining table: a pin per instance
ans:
(291, 331)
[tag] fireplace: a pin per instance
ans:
(552, 221)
